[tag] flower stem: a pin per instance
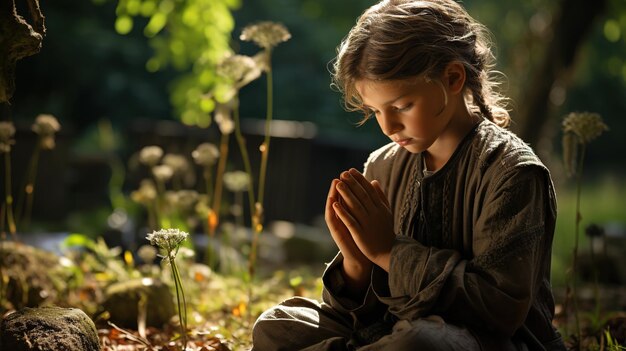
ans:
(576, 231)
(182, 310)
(221, 168)
(23, 212)
(268, 123)
(246, 159)
(8, 198)
(265, 150)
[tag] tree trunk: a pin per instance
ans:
(18, 39)
(571, 25)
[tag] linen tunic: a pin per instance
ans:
(472, 249)
(473, 241)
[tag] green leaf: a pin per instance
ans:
(78, 240)
(612, 31)
(123, 24)
(156, 24)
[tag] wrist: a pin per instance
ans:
(356, 274)
(383, 260)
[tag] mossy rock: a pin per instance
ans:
(50, 329)
(34, 276)
(122, 302)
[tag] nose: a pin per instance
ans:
(389, 123)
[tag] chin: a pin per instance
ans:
(415, 149)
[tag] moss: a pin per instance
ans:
(122, 301)
(48, 328)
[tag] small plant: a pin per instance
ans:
(612, 344)
(579, 129)
(169, 241)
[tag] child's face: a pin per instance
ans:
(412, 112)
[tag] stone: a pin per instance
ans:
(50, 329)
(35, 277)
(122, 302)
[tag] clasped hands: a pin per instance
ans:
(360, 221)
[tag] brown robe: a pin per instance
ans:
(473, 247)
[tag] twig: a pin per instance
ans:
(131, 336)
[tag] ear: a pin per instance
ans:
(454, 77)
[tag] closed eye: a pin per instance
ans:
(404, 108)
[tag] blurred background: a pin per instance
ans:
(114, 92)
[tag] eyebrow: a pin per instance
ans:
(390, 101)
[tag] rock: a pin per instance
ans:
(122, 299)
(34, 276)
(50, 329)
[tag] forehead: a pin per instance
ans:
(381, 92)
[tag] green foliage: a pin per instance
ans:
(191, 36)
(99, 258)
(611, 344)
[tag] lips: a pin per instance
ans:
(403, 142)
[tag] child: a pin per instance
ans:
(445, 241)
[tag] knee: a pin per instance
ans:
(428, 334)
(263, 326)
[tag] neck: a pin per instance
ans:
(460, 125)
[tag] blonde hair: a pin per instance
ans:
(399, 39)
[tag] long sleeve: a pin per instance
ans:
(362, 312)
(494, 288)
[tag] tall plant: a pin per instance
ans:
(579, 129)
(45, 126)
(266, 35)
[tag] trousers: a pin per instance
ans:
(304, 324)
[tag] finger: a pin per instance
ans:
(333, 197)
(349, 199)
(380, 193)
(357, 191)
(371, 198)
(347, 219)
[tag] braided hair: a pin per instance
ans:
(399, 39)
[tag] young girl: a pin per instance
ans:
(445, 241)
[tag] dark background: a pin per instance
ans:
(86, 72)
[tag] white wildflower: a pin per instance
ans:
(150, 155)
(168, 240)
(186, 253)
(238, 70)
(585, 125)
(171, 198)
(265, 34)
(206, 154)
(46, 126)
(147, 253)
(163, 173)
(262, 60)
(236, 181)
(223, 118)
(187, 199)
(579, 128)
(7, 131)
(178, 163)
(146, 193)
